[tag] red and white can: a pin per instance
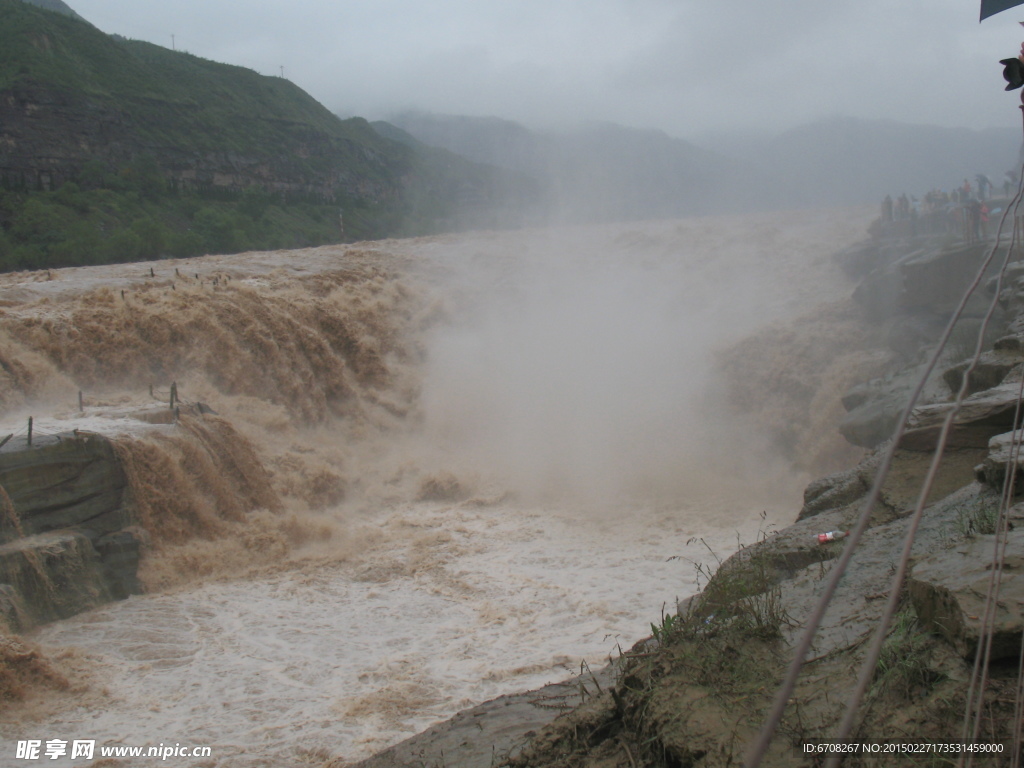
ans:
(824, 538)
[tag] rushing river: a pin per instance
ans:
(522, 457)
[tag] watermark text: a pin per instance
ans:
(53, 749)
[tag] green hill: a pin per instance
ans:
(100, 136)
(56, 5)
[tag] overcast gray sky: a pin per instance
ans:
(685, 66)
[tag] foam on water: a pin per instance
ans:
(555, 384)
(452, 606)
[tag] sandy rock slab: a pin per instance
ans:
(948, 590)
(982, 416)
(62, 481)
(48, 576)
(484, 735)
(1004, 451)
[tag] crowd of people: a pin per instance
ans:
(967, 210)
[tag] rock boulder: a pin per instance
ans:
(62, 481)
(990, 370)
(948, 589)
(982, 416)
(52, 575)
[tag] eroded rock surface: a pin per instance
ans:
(992, 367)
(1004, 452)
(62, 481)
(949, 588)
(76, 515)
(482, 736)
(65, 545)
(51, 576)
(981, 417)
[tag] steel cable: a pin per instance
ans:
(760, 746)
(870, 663)
(983, 656)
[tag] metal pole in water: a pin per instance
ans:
(30, 430)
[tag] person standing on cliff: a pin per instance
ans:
(903, 207)
(973, 221)
(984, 186)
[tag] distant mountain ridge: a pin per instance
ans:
(604, 169)
(849, 160)
(78, 105)
(492, 140)
(75, 94)
(600, 171)
(104, 113)
(72, 93)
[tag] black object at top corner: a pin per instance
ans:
(1013, 73)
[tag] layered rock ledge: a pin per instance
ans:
(67, 538)
(75, 518)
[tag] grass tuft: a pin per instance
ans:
(977, 517)
(903, 670)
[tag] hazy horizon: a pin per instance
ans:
(684, 68)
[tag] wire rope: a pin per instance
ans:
(983, 653)
(760, 746)
(870, 663)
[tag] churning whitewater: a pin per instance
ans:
(439, 470)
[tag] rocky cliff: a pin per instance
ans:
(67, 545)
(137, 128)
(76, 510)
(70, 94)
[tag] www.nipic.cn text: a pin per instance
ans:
(52, 749)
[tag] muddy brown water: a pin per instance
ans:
(556, 385)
